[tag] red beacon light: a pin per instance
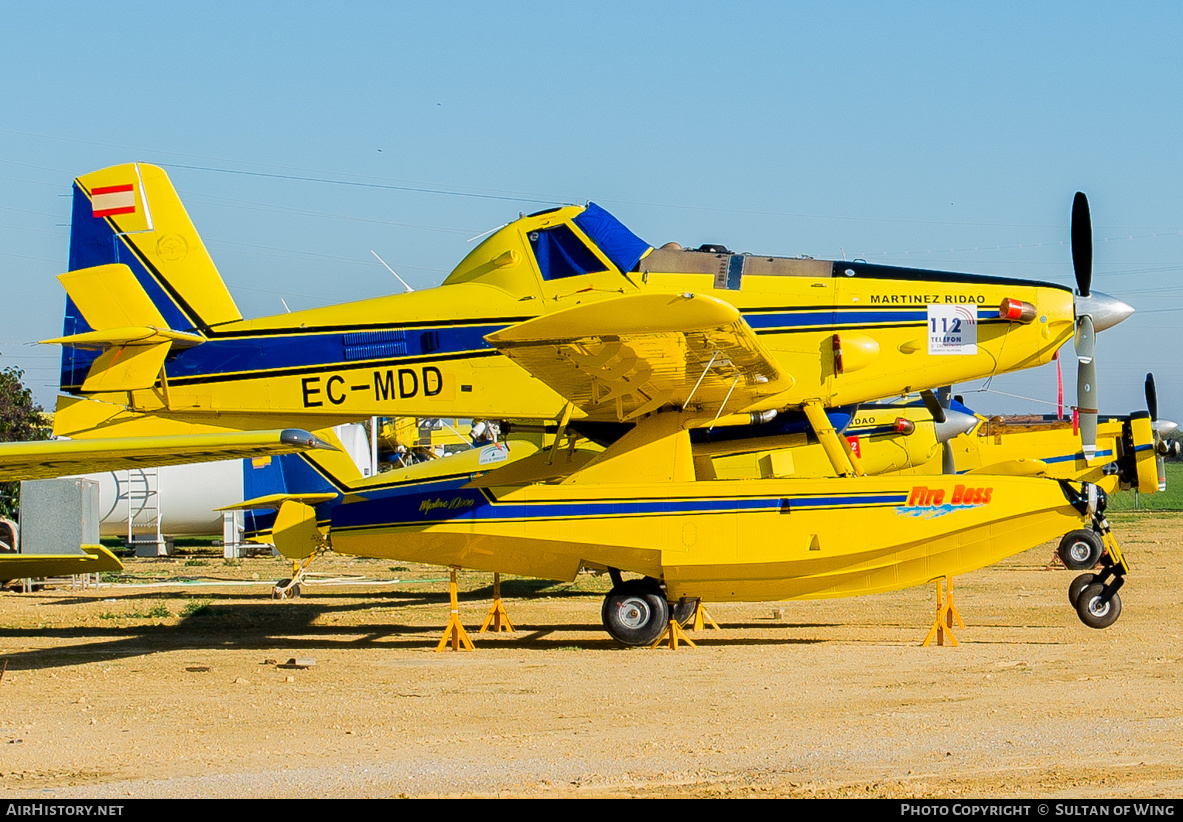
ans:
(1016, 311)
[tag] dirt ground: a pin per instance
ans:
(168, 685)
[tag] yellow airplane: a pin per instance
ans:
(561, 313)
(711, 521)
(407, 440)
(567, 315)
(55, 458)
(639, 506)
(900, 438)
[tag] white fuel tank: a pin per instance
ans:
(185, 497)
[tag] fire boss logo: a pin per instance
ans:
(930, 502)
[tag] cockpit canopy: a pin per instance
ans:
(552, 245)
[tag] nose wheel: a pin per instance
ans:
(1080, 550)
(1094, 596)
(1098, 606)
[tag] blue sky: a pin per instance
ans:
(300, 136)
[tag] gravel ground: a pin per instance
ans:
(168, 686)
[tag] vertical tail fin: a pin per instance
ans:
(129, 215)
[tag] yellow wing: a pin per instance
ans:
(22, 566)
(621, 358)
(55, 458)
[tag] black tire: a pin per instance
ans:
(1080, 550)
(1079, 584)
(636, 613)
(683, 610)
(291, 593)
(1094, 611)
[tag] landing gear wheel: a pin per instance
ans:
(282, 591)
(1094, 611)
(683, 610)
(1079, 584)
(636, 613)
(1080, 550)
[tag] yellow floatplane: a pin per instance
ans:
(567, 316)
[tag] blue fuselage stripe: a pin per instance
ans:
(1077, 456)
(472, 505)
(311, 350)
(315, 350)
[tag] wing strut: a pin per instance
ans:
(844, 460)
(567, 409)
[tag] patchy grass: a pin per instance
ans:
(194, 607)
(1168, 500)
(157, 611)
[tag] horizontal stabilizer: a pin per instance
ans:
(127, 335)
(277, 500)
(21, 566)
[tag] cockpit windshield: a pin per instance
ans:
(618, 244)
(559, 253)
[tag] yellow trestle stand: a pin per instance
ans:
(946, 614)
(496, 619)
(454, 631)
(701, 617)
(676, 635)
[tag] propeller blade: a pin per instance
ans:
(1086, 385)
(1086, 339)
(1082, 244)
(944, 395)
(1151, 398)
(933, 405)
(948, 462)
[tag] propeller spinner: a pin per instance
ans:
(948, 423)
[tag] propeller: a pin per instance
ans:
(1086, 335)
(1094, 312)
(1162, 428)
(948, 423)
